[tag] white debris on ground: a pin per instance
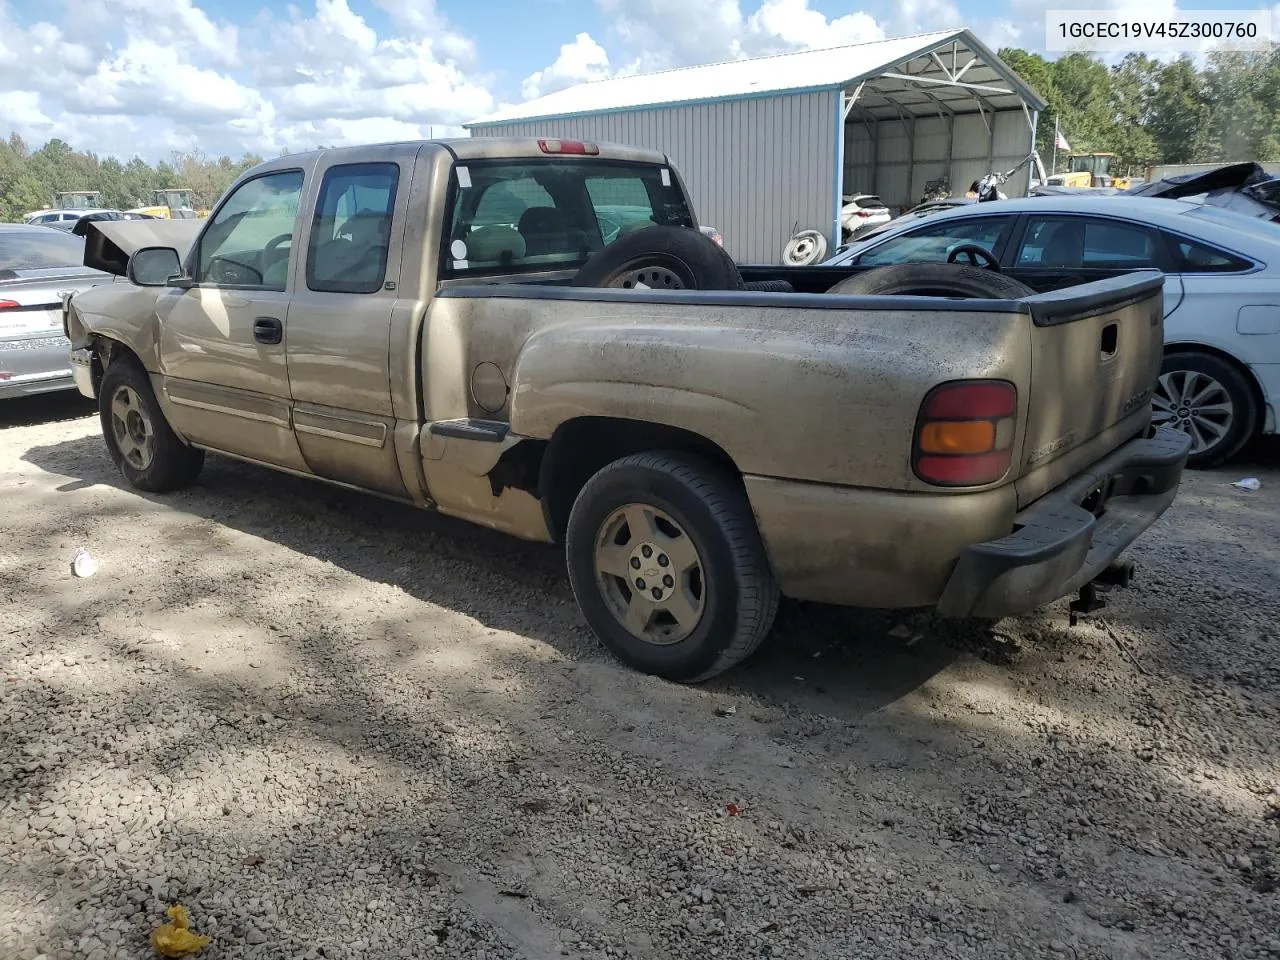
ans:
(329, 726)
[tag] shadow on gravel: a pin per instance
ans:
(829, 659)
(1263, 452)
(45, 408)
(1071, 803)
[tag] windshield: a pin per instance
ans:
(551, 214)
(39, 248)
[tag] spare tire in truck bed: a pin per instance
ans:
(932, 280)
(661, 258)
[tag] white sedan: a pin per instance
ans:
(1221, 377)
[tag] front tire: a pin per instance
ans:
(139, 439)
(1210, 399)
(668, 567)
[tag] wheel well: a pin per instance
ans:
(1255, 388)
(105, 352)
(582, 446)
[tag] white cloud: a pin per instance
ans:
(796, 24)
(923, 16)
(151, 76)
(661, 34)
(21, 111)
(176, 23)
(582, 60)
(146, 78)
(673, 33)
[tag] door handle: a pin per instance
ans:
(268, 330)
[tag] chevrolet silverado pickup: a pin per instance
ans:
(535, 335)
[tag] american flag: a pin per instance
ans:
(1061, 142)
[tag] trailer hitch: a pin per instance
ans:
(1115, 576)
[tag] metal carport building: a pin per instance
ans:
(769, 145)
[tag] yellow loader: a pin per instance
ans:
(171, 205)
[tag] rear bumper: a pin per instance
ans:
(34, 363)
(29, 385)
(1068, 537)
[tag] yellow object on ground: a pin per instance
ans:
(173, 939)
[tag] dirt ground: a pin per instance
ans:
(332, 726)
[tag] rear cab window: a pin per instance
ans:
(531, 215)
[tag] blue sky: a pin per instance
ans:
(151, 77)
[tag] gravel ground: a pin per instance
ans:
(332, 726)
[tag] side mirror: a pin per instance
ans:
(154, 266)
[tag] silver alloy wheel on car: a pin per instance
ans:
(650, 574)
(135, 438)
(1196, 404)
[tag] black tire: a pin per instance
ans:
(932, 280)
(769, 286)
(1196, 370)
(171, 464)
(738, 594)
(663, 258)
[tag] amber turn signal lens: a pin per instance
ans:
(958, 436)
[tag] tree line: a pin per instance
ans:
(30, 178)
(1146, 111)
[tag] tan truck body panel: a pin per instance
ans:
(814, 399)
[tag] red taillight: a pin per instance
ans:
(9, 304)
(964, 435)
(578, 147)
(862, 214)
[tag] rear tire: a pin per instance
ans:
(668, 567)
(932, 280)
(661, 258)
(139, 439)
(1210, 399)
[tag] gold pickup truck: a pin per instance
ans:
(534, 335)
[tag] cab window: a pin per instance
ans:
(248, 240)
(552, 214)
(351, 232)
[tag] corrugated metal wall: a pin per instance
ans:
(883, 158)
(756, 169)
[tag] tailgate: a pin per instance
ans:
(1096, 351)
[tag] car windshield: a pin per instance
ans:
(39, 248)
(1255, 226)
(549, 214)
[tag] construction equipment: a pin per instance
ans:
(1090, 170)
(77, 200)
(172, 204)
